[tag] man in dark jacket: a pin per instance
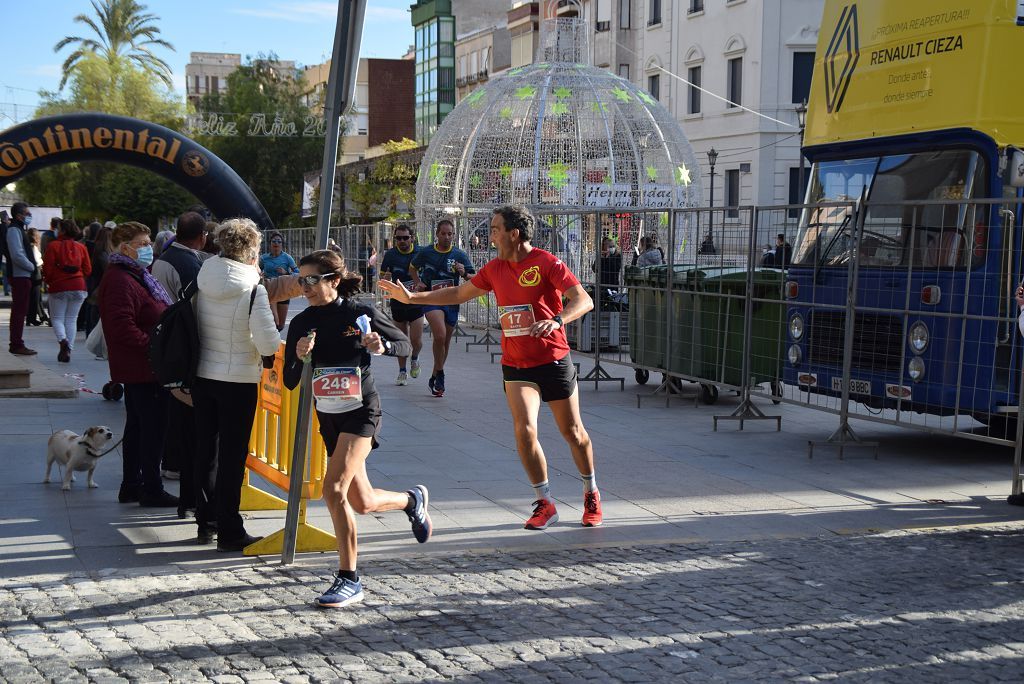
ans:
(5, 221)
(20, 275)
(176, 268)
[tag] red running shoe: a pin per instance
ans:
(592, 509)
(544, 514)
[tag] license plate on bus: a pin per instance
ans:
(862, 387)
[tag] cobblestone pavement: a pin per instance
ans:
(901, 606)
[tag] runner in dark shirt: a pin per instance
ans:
(395, 267)
(339, 335)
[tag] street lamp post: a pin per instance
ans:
(712, 158)
(801, 119)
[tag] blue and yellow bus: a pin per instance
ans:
(912, 132)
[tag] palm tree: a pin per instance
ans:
(124, 31)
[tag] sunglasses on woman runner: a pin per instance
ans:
(314, 280)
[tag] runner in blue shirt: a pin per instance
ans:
(434, 268)
(408, 318)
(278, 263)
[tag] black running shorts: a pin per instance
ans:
(362, 422)
(555, 380)
(405, 313)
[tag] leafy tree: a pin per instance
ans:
(125, 35)
(390, 183)
(271, 154)
(98, 189)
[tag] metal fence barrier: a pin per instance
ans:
(894, 312)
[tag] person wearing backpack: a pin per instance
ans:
(131, 302)
(236, 327)
(176, 268)
(66, 265)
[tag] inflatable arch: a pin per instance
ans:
(93, 136)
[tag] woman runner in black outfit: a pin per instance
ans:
(340, 334)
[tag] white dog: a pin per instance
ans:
(77, 452)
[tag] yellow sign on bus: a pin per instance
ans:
(886, 67)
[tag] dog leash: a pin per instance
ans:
(115, 445)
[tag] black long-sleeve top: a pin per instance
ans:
(338, 339)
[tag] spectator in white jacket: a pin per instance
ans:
(236, 328)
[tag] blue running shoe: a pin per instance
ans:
(418, 516)
(342, 593)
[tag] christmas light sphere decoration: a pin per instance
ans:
(558, 136)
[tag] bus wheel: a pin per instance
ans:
(708, 394)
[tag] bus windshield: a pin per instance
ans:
(926, 235)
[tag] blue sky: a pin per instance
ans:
(302, 31)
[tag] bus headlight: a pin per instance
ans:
(795, 355)
(796, 327)
(915, 369)
(918, 337)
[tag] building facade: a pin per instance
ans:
(383, 107)
(754, 53)
(479, 56)
(207, 72)
(438, 25)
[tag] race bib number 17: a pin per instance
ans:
(516, 319)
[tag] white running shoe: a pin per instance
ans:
(403, 378)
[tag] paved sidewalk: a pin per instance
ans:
(725, 555)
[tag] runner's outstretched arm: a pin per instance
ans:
(446, 296)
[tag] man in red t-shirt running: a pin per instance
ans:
(529, 284)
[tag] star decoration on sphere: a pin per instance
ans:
(437, 173)
(476, 180)
(558, 174)
(505, 113)
(683, 175)
(474, 98)
(621, 94)
(559, 108)
(506, 171)
(652, 173)
(646, 98)
(526, 92)
(562, 93)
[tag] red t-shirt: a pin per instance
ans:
(527, 291)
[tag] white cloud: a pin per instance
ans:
(46, 70)
(315, 12)
(300, 12)
(387, 14)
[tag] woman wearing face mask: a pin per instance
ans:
(347, 406)
(131, 302)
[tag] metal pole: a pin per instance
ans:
(297, 474)
(341, 84)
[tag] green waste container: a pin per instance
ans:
(648, 313)
(721, 302)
